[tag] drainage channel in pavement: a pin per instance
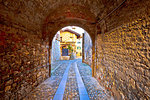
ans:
(60, 91)
(47, 89)
(71, 85)
(72, 80)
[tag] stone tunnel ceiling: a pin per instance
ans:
(30, 15)
(48, 16)
(69, 15)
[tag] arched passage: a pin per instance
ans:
(71, 15)
(27, 28)
(71, 37)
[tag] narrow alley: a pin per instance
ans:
(77, 85)
(74, 49)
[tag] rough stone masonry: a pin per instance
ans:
(123, 51)
(123, 43)
(124, 60)
(24, 63)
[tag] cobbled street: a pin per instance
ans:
(77, 85)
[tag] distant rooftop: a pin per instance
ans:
(71, 31)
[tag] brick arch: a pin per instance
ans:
(50, 30)
(69, 15)
(89, 28)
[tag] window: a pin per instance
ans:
(78, 47)
(60, 39)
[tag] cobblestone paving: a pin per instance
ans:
(56, 64)
(71, 90)
(60, 71)
(47, 89)
(84, 69)
(95, 91)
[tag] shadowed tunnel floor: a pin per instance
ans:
(70, 80)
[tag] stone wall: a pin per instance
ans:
(23, 62)
(124, 60)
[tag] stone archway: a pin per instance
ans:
(90, 29)
(70, 15)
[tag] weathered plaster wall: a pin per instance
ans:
(124, 60)
(87, 49)
(23, 62)
(55, 53)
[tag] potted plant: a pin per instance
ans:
(71, 54)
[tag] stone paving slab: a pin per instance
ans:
(82, 90)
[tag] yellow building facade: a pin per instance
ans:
(68, 44)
